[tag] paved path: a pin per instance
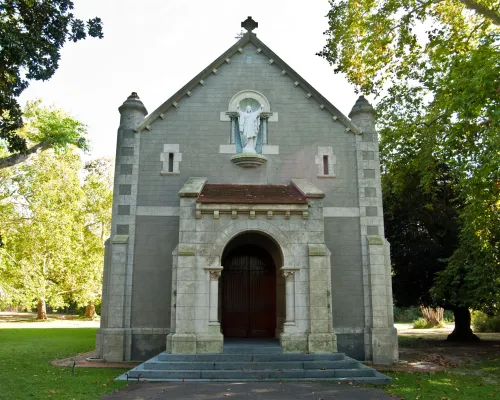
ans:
(246, 391)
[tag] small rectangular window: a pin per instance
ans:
(170, 162)
(325, 165)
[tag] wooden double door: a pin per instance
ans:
(248, 293)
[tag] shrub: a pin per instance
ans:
(484, 323)
(421, 323)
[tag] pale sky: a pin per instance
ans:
(154, 47)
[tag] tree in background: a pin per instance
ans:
(54, 217)
(44, 128)
(32, 34)
(435, 66)
(40, 253)
(98, 198)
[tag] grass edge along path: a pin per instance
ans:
(26, 373)
(445, 385)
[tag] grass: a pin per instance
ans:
(450, 385)
(26, 373)
(477, 378)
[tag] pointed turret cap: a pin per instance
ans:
(133, 103)
(362, 106)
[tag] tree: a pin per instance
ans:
(39, 253)
(434, 66)
(98, 193)
(54, 246)
(32, 34)
(54, 216)
(45, 128)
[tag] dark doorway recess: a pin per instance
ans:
(248, 293)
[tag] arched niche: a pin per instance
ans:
(249, 97)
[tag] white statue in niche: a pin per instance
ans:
(249, 124)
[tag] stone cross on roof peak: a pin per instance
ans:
(249, 24)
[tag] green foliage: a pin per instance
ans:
(422, 323)
(435, 67)
(406, 314)
(410, 314)
(26, 373)
(52, 125)
(422, 228)
(44, 128)
(32, 34)
(54, 218)
(484, 323)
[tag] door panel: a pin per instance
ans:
(248, 293)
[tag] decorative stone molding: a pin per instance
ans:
(215, 275)
(271, 211)
(317, 250)
(249, 94)
(120, 239)
(288, 274)
(264, 227)
(192, 187)
(186, 250)
(248, 160)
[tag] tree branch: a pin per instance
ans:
(486, 12)
(14, 159)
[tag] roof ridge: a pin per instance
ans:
(248, 37)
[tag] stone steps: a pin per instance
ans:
(253, 366)
(240, 357)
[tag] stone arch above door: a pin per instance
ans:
(263, 227)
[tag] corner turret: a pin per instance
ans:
(132, 112)
(364, 116)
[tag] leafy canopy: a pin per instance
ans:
(44, 128)
(32, 33)
(434, 68)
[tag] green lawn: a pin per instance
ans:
(26, 373)
(475, 380)
(450, 385)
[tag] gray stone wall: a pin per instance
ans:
(156, 238)
(147, 208)
(196, 127)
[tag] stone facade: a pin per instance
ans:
(164, 258)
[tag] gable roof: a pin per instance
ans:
(249, 37)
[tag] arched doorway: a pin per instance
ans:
(249, 287)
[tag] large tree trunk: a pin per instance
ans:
(90, 310)
(462, 331)
(41, 309)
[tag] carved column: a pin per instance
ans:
(214, 273)
(289, 275)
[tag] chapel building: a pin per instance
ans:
(247, 205)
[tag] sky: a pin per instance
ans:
(154, 47)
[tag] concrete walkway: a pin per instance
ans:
(246, 391)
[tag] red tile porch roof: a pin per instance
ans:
(251, 194)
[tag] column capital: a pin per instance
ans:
(289, 272)
(214, 271)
